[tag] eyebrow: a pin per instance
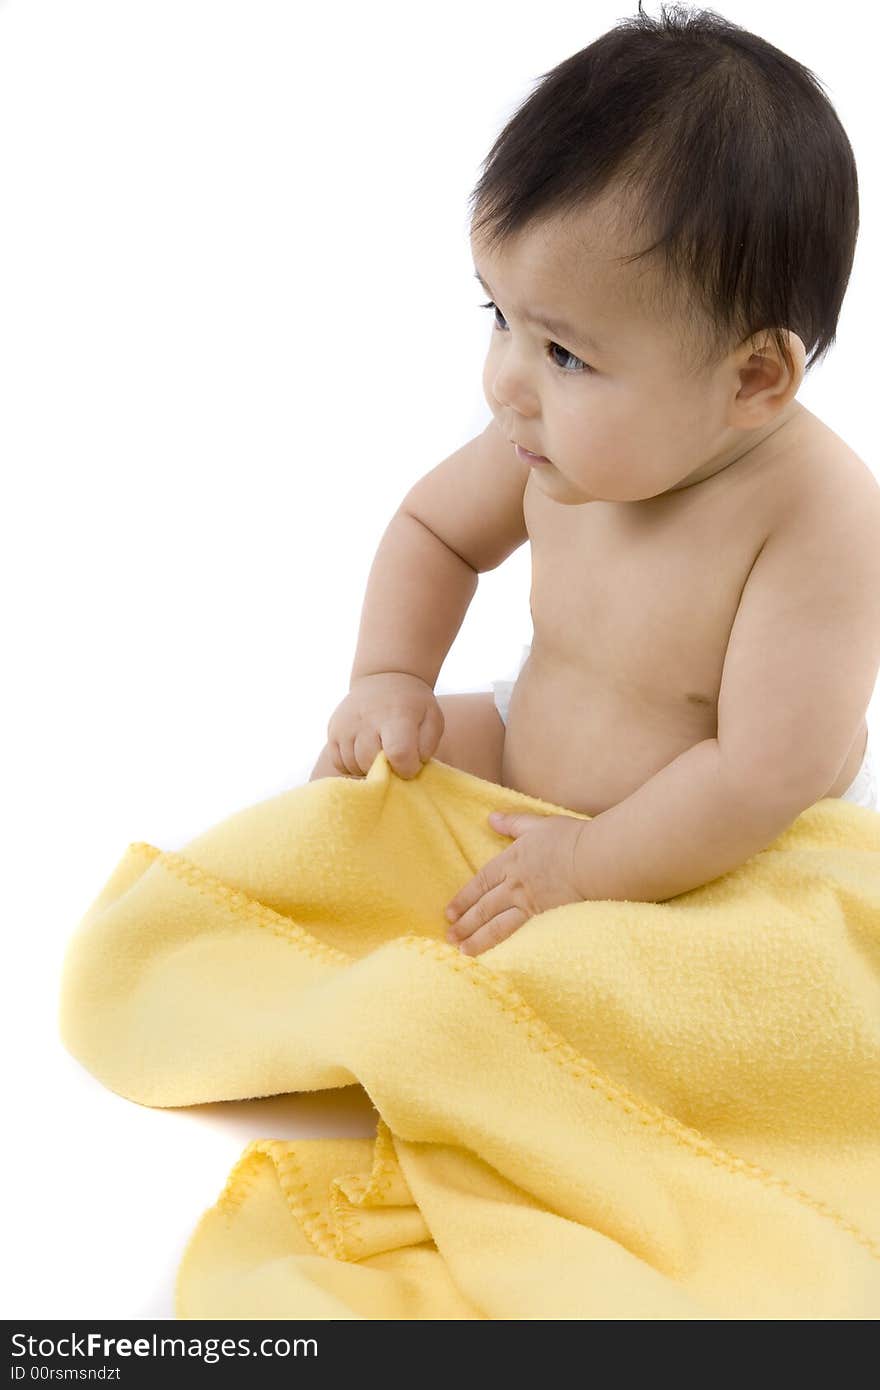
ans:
(560, 326)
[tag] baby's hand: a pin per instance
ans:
(391, 711)
(533, 874)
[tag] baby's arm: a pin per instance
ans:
(459, 520)
(799, 672)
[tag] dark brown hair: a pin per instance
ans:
(725, 151)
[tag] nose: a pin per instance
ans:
(509, 385)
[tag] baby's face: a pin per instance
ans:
(609, 400)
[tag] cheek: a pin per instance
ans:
(490, 369)
(601, 437)
(614, 455)
(631, 429)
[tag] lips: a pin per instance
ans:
(542, 457)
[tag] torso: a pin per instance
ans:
(632, 611)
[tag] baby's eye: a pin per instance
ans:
(552, 347)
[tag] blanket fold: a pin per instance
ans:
(625, 1110)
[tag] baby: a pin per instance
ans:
(663, 231)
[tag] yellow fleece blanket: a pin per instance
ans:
(625, 1110)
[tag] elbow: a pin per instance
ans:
(780, 787)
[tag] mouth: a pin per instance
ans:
(527, 456)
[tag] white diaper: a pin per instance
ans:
(862, 791)
(503, 689)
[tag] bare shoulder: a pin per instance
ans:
(821, 552)
(833, 500)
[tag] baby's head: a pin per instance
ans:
(683, 194)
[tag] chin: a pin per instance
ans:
(563, 490)
(573, 491)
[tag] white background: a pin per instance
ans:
(237, 322)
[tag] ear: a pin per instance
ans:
(764, 383)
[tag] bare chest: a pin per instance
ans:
(642, 610)
(631, 613)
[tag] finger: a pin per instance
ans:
(465, 898)
(366, 746)
(491, 902)
(346, 757)
(335, 757)
(430, 732)
(340, 769)
(496, 930)
(399, 743)
(514, 823)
